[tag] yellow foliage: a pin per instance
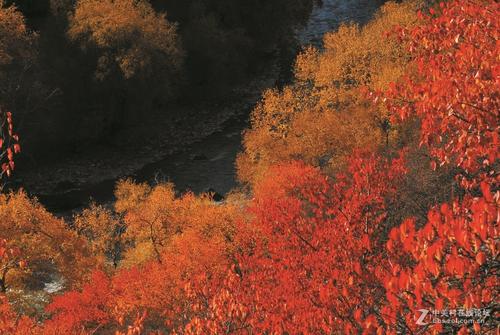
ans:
(15, 39)
(155, 220)
(355, 56)
(140, 253)
(129, 194)
(17, 52)
(324, 115)
(131, 35)
(103, 231)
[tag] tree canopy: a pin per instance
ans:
(129, 35)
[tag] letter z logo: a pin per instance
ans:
(420, 321)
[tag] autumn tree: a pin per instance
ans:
(455, 90)
(197, 243)
(103, 230)
(116, 50)
(16, 49)
(324, 116)
(314, 252)
(147, 217)
(46, 244)
(313, 267)
(82, 311)
(129, 36)
(154, 217)
(9, 258)
(449, 263)
(10, 322)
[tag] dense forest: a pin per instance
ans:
(369, 198)
(80, 71)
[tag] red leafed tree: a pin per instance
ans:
(320, 267)
(149, 297)
(11, 323)
(79, 311)
(9, 143)
(96, 308)
(456, 92)
(449, 264)
(314, 269)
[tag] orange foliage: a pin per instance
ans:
(85, 310)
(314, 268)
(42, 240)
(15, 38)
(448, 264)
(103, 231)
(174, 241)
(154, 219)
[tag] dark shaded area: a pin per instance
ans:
(206, 166)
(62, 108)
(227, 39)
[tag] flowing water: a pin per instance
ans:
(210, 164)
(332, 13)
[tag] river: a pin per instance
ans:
(210, 163)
